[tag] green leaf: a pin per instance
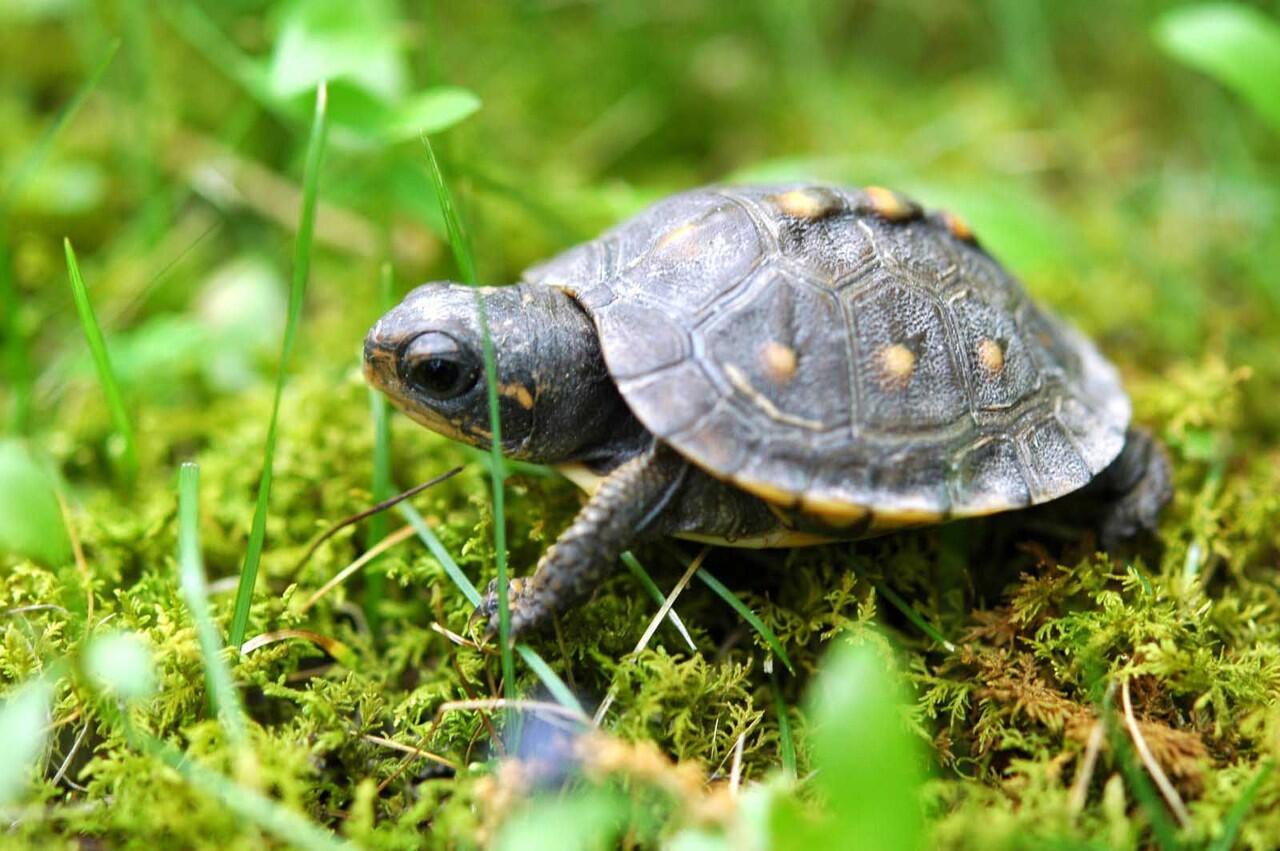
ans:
(869, 766)
(332, 40)
(120, 664)
(30, 520)
(428, 112)
(24, 721)
(1235, 45)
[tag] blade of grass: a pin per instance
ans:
(438, 550)
(102, 362)
(41, 149)
(741, 608)
(550, 679)
(467, 268)
(1231, 825)
(375, 583)
(646, 581)
(301, 270)
(785, 741)
(17, 358)
(912, 615)
(195, 592)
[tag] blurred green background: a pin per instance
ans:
(1123, 159)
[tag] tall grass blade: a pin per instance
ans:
(556, 686)
(914, 616)
(195, 592)
(785, 739)
(17, 358)
(438, 550)
(723, 592)
(41, 149)
(467, 268)
(646, 581)
(375, 581)
(102, 362)
(301, 270)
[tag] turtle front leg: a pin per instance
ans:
(1136, 487)
(622, 508)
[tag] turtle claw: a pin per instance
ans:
(520, 594)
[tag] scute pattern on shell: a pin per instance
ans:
(842, 350)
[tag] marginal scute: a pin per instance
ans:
(755, 329)
(989, 478)
(1058, 468)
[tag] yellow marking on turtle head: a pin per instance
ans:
(888, 204)
(806, 203)
(958, 226)
(897, 363)
(518, 392)
(779, 361)
(990, 355)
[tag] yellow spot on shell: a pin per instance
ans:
(888, 204)
(779, 361)
(897, 362)
(958, 226)
(806, 203)
(678, 237)
(990, 355)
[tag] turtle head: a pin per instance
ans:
(427, 355)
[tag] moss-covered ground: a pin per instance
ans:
(1131, 194)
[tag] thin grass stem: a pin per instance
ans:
(102, 363)
(195, 592)
(301, 271)
(461, 247)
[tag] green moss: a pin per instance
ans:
(1135, 198)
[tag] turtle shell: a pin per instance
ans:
(842, 352)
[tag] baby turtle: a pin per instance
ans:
(771, 366)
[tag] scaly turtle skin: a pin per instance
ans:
(772, 366)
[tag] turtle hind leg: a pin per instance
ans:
(1135, 488)
(624, 506)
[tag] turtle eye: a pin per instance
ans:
(438, 366)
